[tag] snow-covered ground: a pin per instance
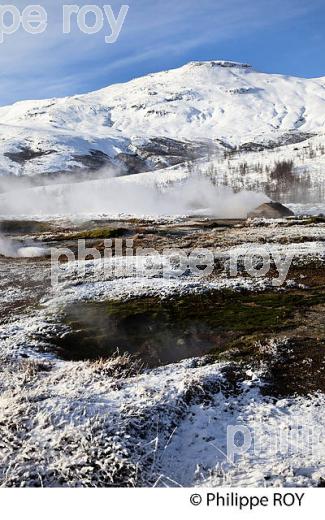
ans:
(113, 423)
(216, 187)
(102, 424)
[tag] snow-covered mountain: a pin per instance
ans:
(160, 120)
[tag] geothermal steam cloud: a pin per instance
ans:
(195, 196)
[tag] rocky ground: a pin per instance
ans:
(130, 375)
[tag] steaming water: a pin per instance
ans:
(9, 249)
(127, 196)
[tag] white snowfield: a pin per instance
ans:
(201, 101)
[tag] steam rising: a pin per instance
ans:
(126, 195)
(9, 249)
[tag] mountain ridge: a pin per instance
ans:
(159, 120)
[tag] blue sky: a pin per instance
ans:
(281, 36)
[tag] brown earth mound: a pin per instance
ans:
(271, 210)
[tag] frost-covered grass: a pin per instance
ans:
(112, 424)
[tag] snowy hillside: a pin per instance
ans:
(160, 120)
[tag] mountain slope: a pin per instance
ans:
(160, 120)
